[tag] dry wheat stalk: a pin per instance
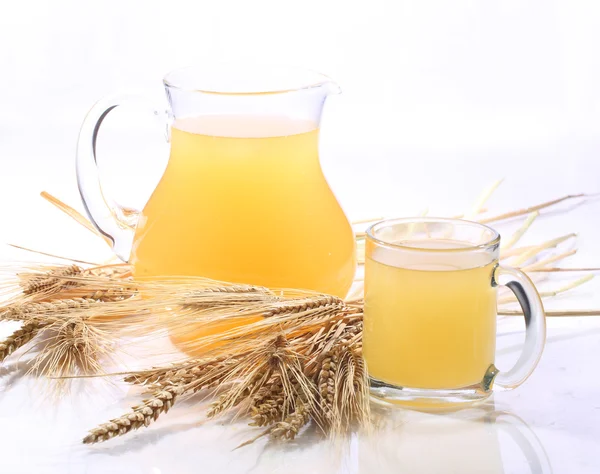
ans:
(164, 398)
(44, 283)
(299, 306)
(142, 415)
(230, 289)
(238, 394)
(60, 299)
(181, 373)
(275, 381)
(50, 282)
(70, 341)
(291, 425)
(108, 295)
(73, 214)
(27, 311)
(19, 338)
(558, 269)
(232, 295)
(326, 384)
(71, 346)
(266, 406)
(537, 207)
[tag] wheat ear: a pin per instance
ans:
(266, 406)
(293, 423)
(326, 386)
(209, 371)
(53, 281)
(142, 415)
(27, 311)
(19, 338)
(302, 305)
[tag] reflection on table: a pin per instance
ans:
(471, 440)
(477, 440)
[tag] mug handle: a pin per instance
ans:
(115, 222)
(535, 324)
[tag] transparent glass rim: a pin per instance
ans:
(491, 243)
(198, 79)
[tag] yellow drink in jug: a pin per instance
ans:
(243, 199)
(430, 317)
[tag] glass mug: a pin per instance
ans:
(243, 198)
(430, 312)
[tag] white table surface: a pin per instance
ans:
(550, 424)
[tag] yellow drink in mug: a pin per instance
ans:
(430, 312)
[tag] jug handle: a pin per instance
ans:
(115, 222)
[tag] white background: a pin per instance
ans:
(440, 99)
(433, 91)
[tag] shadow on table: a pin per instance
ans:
(11, 373)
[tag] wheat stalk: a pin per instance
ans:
(485, 196)
(19, 338)
(181, 373)
(520, 232)
(529, 210)
(290, 427)
(51, 282)
(74, 215)
(27, 311)
(321, 302)
(71, 340)
(43, 283)
(142, 415)
(274, 382)
(72, 346)
(326, 384)
(267, 404)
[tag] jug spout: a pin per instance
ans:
(332, 88)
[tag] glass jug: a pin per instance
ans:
(243, 198)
